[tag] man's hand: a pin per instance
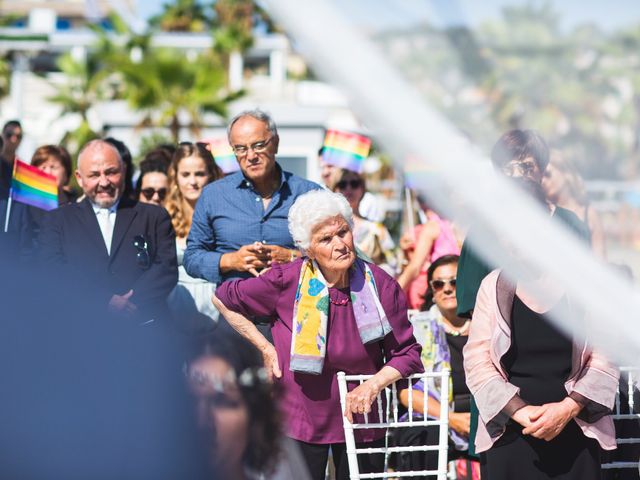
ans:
(270, 358)
(460, 422)
(550, 419)
(523, 415)
(278, 254)
(249, 258)
(122, 304)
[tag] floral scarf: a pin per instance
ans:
(311, 313)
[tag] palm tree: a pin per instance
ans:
(182, 16)
(83, 88)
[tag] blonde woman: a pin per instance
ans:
(192, 168)
(564, 187)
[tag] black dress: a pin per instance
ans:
(539, 362)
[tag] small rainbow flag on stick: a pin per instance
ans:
(32, 186)
(223, 154)
(345, 149)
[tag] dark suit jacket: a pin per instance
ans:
(70, 240)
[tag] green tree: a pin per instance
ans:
(82, 89)
(183, 16)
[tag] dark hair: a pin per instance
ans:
(42, 154)
(258, 393)
(125, 155)
(518, 145)
(439, 262)
(11, 124)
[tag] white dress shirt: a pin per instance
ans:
(106, 220)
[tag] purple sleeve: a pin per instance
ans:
(401, 349)
(253, 297)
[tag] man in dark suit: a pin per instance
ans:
(122, 251)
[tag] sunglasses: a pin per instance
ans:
(438, 285)
(150, 192)
(353, 184)
(15, 134)
(142, 257)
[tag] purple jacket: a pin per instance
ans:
(593, 381)
(311, 403)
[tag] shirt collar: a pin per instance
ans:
(97, 208)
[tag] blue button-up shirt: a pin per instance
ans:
(230, 214)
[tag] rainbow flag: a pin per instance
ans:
(32, 186)
(346, 150)
(223, 154)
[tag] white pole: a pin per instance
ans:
(443, 441)
(410, 219)
(8, 212)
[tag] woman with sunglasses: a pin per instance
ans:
(192, 168)
(153, 182)
(442, 335)
(371, 238)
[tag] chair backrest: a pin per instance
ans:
(626, 416)
(386, 415)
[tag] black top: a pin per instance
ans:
(456, 344)
(539, 359)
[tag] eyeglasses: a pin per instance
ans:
(526, 168)
(142, 257)
(353, 184)
(150, 192)
(258, 147)
(438, 285)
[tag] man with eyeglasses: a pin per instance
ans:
(123, 251)
(240, 222)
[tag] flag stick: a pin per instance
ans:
(8, 212)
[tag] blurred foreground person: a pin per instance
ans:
(442, 335)
(237, 415)
(123, 251)
(544, 397)
(331, 312)
(564, 187)
(192, 168)
(84, 396)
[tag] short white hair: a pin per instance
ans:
(312, 209)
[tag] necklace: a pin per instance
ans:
(456, 331)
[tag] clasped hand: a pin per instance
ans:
(546, 421)
(257, 256)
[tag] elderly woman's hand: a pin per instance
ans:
(359, 400)
(550, 419)
(270, 358)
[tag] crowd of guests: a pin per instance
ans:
(281, 283)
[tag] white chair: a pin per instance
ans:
(628, 412)
(387, 413)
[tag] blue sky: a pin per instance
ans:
(377, 14)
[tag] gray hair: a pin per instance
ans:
(313, 208)
(98, 144)
(258, 115)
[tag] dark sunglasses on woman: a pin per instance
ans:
(353, 184)
(438, 285)
(150, 192)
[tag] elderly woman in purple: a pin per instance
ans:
(331, 311)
